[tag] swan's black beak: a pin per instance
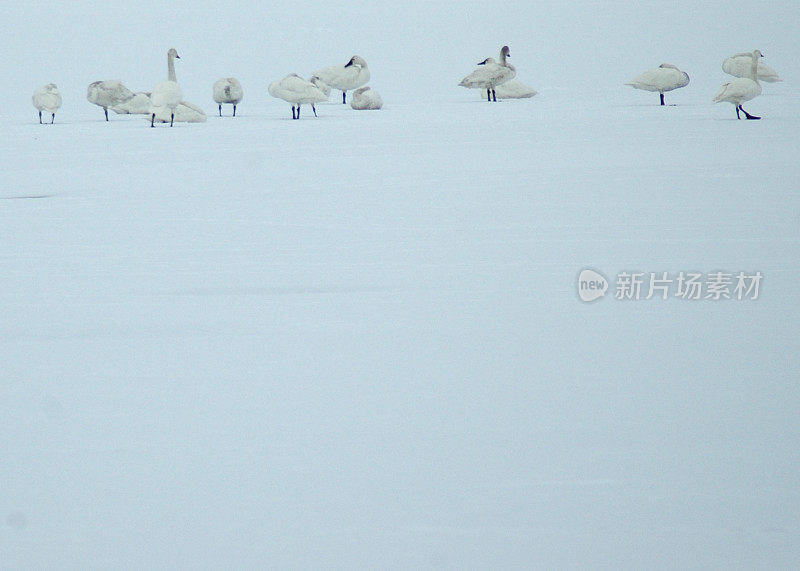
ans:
(482, 62)
(348, 64)
(177, 56)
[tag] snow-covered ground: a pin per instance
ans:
(356, 341)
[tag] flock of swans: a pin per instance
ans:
(165, 104)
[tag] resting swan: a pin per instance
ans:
(739, 66)
(108, 94)
(166, 95)
(742, 89)
(515, 90)
(297, 91)
(351, 75)
(47, 98)
(665, 77)
(491, 74)
(366, 98)
(228, 90)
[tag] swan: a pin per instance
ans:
(166, 95)
(139, 104)
(366, 98)
(108, 94)
(742, 89)
(228, 90)
(665, 77)
(321, 85)
(515, 90)
(47, 98)
(739, 66)
(297, 91)
(491, 74)
(351, 75)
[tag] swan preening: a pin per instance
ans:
(166, 95)
(366, 98)
(351, 75)
(739, 66)
(228, 90)
(742, 89)
(665, 77)
(108, 94)
(491, 74)
(296, 90)
(47, 98)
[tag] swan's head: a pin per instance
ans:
(668, 66)
(356, 60)
(51, 87)
(488, 60)
(173, 53)
(757, 53)
(505, 52)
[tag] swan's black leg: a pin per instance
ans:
(171, 118)
(40, 117)
(234, 110)
(746, 114)
(106, 110)
(344, 97)
(298, 110)
(488, 95)
(314, 109)
(293, 115)
(53, 118)
(662, 98)
(152, 119)
(220, 109)
(494, 96)
(737, 111)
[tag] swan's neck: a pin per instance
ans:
(171, 69)
(754, 68)
(503, 59)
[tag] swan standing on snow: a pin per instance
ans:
(47, 98)
(166, 95)
(351, 75)
(297, 91)
(665, 77)
(515, 90)
(108, 94)
(228, 90)
(366, 98)
(739, 66)
(491, 74)
(742, 89)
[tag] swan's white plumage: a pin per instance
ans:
(321, 85)
(665, 77)
(351, 75)
(139, 104)
(297, 91)
(108, 94)
(228, 90)
(514, 90)
(365, 98)
(489, 73)
(742, 89)
(739, 66)
(167, 95)
(47, 98)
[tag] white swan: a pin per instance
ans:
(351, 75)
(140, 104)
(665, 77)
(366, 98)
(108, 94)
(47, 98)
(166, 95)
(491, 74)
(321, 85)
(739, 66)
(742, 89)
(228, 90)
(515, 90)
(297, 91)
